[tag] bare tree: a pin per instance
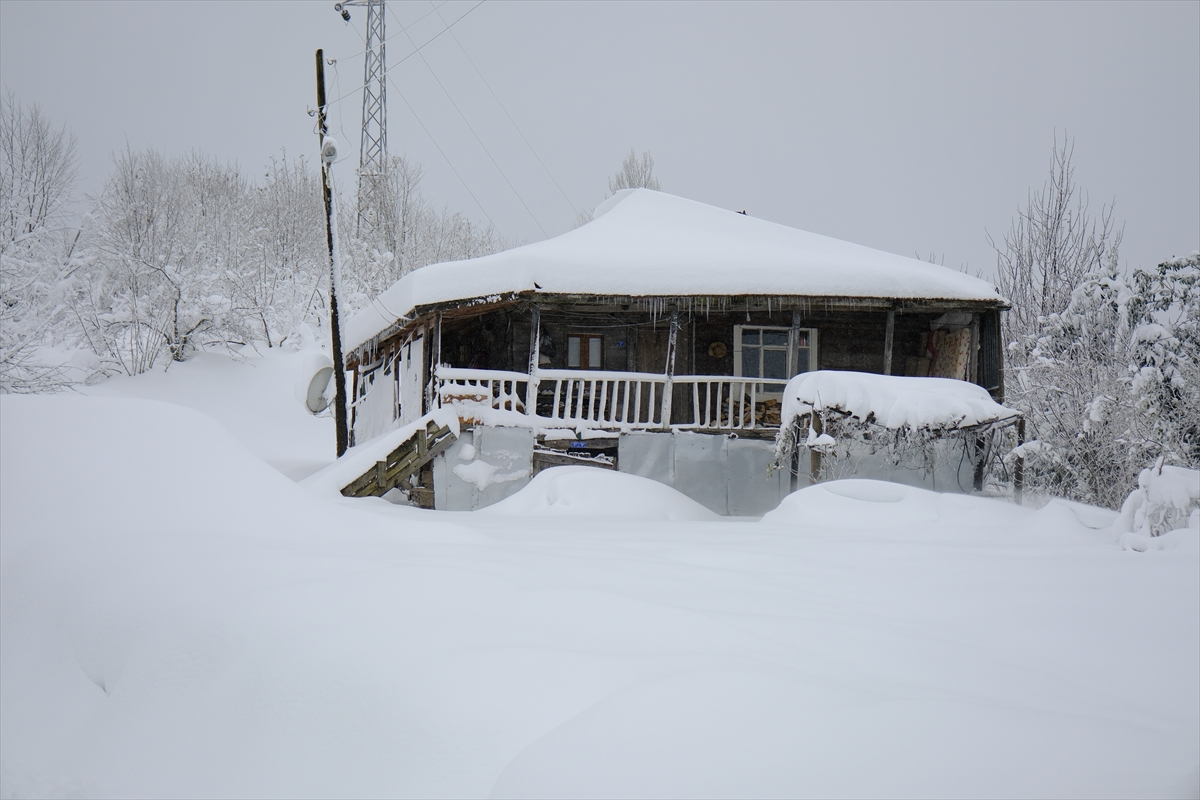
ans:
(37, 172)
(634, 173)
(1051, 246)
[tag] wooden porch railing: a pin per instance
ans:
(609, 400)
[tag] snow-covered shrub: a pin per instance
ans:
(1167, 499)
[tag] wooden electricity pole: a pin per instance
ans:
(335, 327)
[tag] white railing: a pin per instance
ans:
(600, 399)
(620, 400)
(721, 402)
(504, 390)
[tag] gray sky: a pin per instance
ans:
(907, 127)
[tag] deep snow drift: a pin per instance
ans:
(179, 618)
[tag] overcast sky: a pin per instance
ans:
(912, 128)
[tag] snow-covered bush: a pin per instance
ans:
(1167, 499)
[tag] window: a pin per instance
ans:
(767, 352)
(585, 351)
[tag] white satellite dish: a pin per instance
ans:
(315, 385)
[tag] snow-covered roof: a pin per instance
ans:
(644, 243)
(893, 401)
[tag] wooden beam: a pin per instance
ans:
(887, 341)
(535, 354)
(668, 391)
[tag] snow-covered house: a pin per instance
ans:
(657, 340)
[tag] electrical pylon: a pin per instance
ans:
(372, 154)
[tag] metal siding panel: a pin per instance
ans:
(647, 455)
(751, 491)
(700, 469)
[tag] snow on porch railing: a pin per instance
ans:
(621, 400)
(497, 388)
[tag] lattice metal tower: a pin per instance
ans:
(372, 154)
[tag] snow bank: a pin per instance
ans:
(179, 619)
(892, 401)
(252, 395)
(654, 244)
(590, 492)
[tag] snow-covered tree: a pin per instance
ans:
(280, 285)
(165, 234)
(1112, 383)
(410, 234)
(37, 173)
(1103, 364)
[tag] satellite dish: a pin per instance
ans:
(315, 383)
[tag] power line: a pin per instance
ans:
(413, 53)
(505, 110)
(440, 150)
(495, 163)
(402, 28)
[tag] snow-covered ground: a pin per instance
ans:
(179, 617)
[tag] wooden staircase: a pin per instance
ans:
(409, 467)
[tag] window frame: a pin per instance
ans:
(792, 349)
(585, 360)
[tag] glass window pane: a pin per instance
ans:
(572, 351)
(802, 360)
(750, 356)
(750, 336)
(776, 338)
(594, 352)
(774, 364)
(802, 338)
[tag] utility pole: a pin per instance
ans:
(372, 152)
(328, 154)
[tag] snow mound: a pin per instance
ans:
(252, 395)
(893, 401)
(858, 504)
(593, 492)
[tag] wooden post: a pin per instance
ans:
(435, 357)
(795, 468)
(339, 367)
(535, 354)
(1019, 467)
(668, 385)
(887, 341)
(814, 456)
(794, 366)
